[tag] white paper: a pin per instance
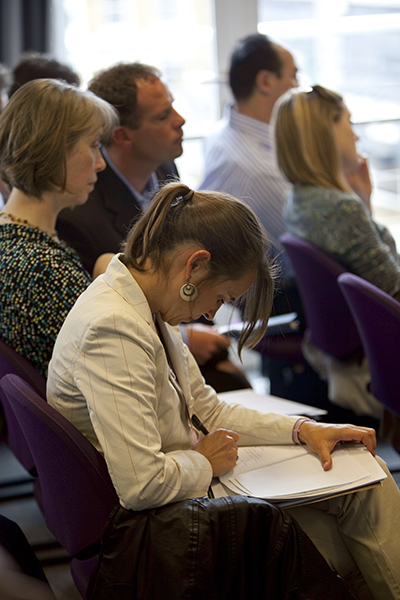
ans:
(268, 403)
(286, 473)
(256, 457)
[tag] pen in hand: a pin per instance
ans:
(197, 424)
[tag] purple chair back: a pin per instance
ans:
(282, 347)
(12, 362)
(377, 316)
(77, 492)
(331, 325)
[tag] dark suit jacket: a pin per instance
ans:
(102, 223)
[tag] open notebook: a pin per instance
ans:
(292, 475)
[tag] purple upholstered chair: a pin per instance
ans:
(12, 362)
(77, 492)
(377, 316)
(331, 325)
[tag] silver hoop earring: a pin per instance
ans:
(188, 292)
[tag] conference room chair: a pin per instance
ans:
(377, 316)
(77, 494)
(13, 362)
(329, 320)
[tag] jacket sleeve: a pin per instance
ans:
(254, 427)
(367, 249)
(121, 372)
(340, 224)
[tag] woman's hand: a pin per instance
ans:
(321, 438)
(220, 448)
(360, 182)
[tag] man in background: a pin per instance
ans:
(36, 65)
(139, 158)
(240, 156)
(240, 159)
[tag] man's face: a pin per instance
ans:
(288, 78)
(159, 137)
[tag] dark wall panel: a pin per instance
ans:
(23, 26)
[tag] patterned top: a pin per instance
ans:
(40, 279)
(341, 225)
(239, 159)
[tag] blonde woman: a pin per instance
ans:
(330, 202)
(329, 206)
(50, 135)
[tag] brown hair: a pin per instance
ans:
(37, 65)
(219, 223)
(306, 147)
(40, 126)
(118, 86)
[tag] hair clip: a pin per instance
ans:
(178, 199)
(188, 196)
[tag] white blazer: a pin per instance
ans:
(110, 377)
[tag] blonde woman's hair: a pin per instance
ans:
(39, 128)
(306, 147)
(219, 223)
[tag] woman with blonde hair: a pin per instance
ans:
(329, 205)
(50, 135)
(122, 375)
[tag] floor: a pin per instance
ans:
(26, 512)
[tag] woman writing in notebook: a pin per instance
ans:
(121, 374)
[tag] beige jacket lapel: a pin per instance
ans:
(175, 348)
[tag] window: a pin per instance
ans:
(115, 10)
(353, 47)
(176, 36)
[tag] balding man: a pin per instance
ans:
(240, 155)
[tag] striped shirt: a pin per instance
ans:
(240, 160)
